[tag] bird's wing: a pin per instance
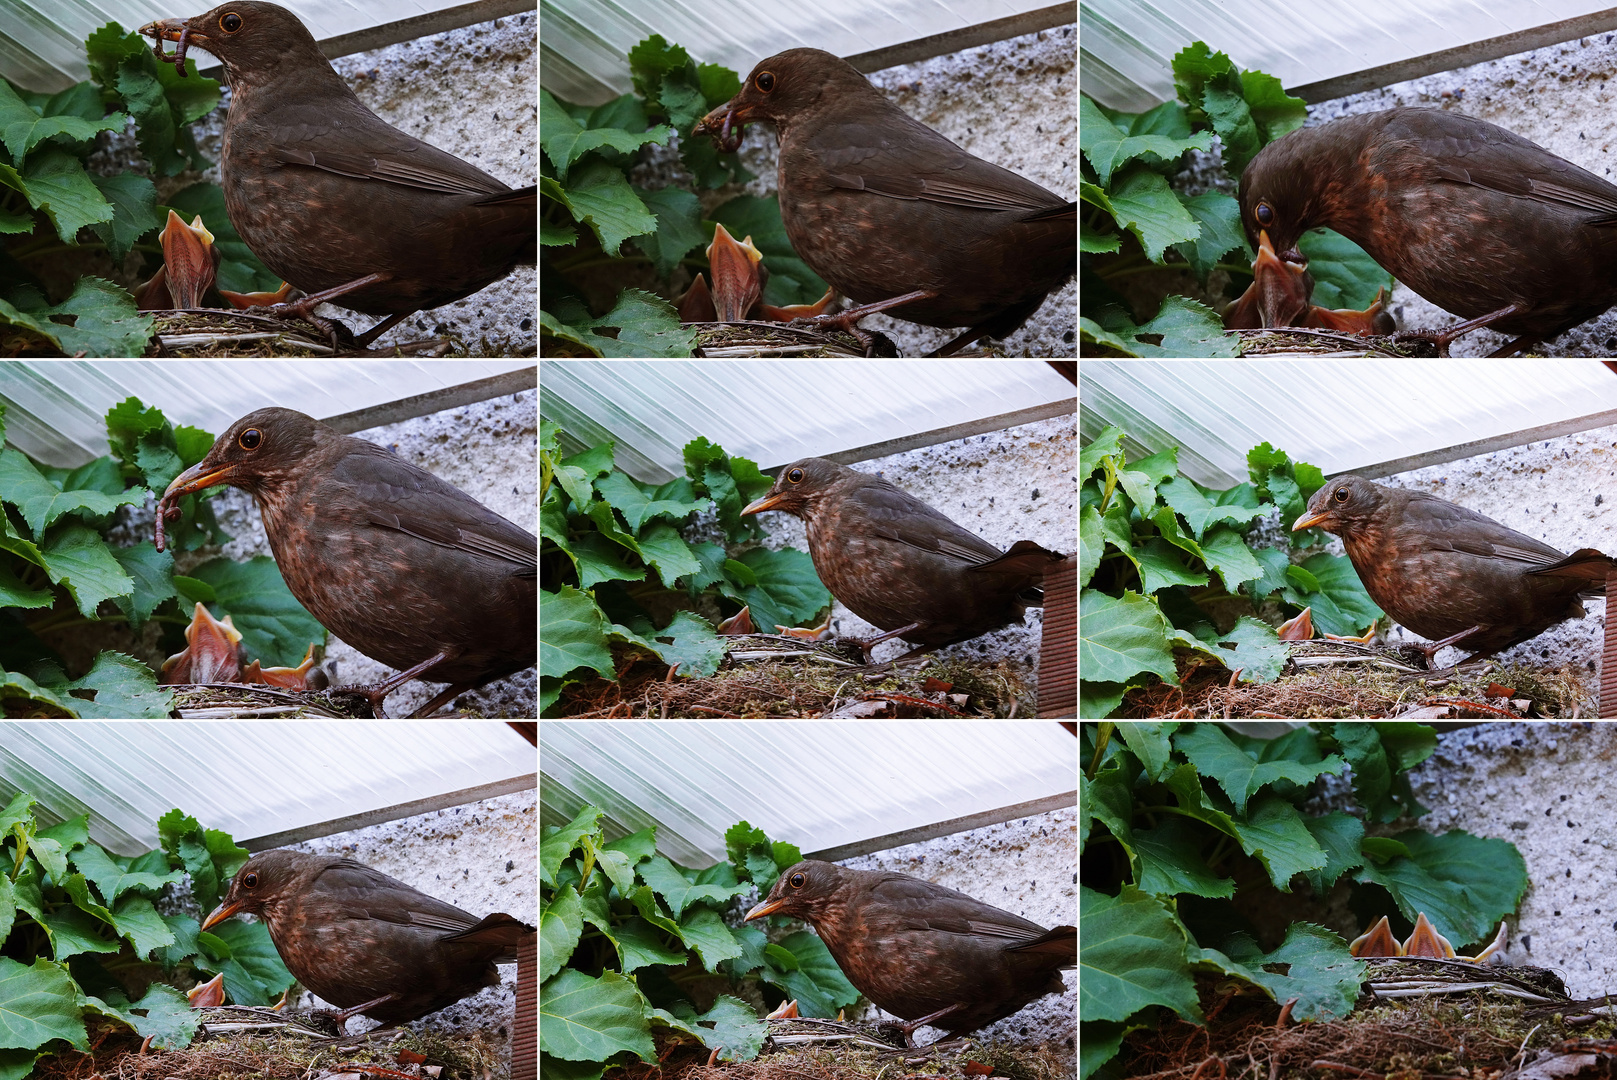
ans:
(1456, 528)
(1503, 161)
(368, 893)
(901, 158)
(396, 495)
(925, 906)
(362, 145)
(897, 516)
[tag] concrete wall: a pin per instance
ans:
(475, 93)
(1547, 789)
(1009, 485)
(482, 858)
(490, 451)
(1029, 867)
(1560, 98)
(1014, 103)
(1562, 492)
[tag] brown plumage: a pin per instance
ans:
(406, 568)
(923, 952)
(880, 205)
(326, 193)
(366, 942)
(899, 564)
(1449, 573)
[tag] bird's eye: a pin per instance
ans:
(765, 82)
(1340, 494)
(230, 22)
(799, 880)
(1265, 214)
(251, 438)
(249, 881)
(795, 477)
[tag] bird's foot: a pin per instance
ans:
(1443, 338)
(909, 1027)
(1430, 649)
(355, 1010)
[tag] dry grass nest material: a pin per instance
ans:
(801, 689)
(1483, 690)
(959, 1059)
(396, 1055)
(1474, 1036)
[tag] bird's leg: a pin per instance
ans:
(364, 340)
(845, 320)
(342, 1017)
(868, 643)
(442, 699)
(908, 1027)
(304, 308)
(375, 694)
(1442, 338)
(1432, 648)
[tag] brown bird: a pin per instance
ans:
(334, 199)
(1279, 296)
(406, 568)
(1454, 207)
(366, 942)
(899, 564)
(923, 952)
(1451, 574)
(894, 215)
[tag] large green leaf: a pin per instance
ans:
(585, 1019)
(274, 627)
(1132, 955)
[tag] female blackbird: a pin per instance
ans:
(1449, 573)
(891, 213)
(923, 952)
(406, 568)
(330, 196)
(899, 564)
(1476, 219)
(366, 942)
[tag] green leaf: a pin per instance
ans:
(1243, 772)
(1338, 834)
(78, 559)
(585, 1019)
(1183, 326)
(1160, 136)
(273, 625)
(43, 503)
(1141, 201)
(1132, 955)
(1091, 544)
(104, 321)
(690, 642)
(565, 140)
(1274, 834)
(38, 1003)
(1320, 973)
(1345, 276)
(1219, 216)
(1169, 861)
(575, 634)
(600, 196)
(22, 128)
(1236, 506)
(1119, 637)
(1258, 651)
(1471, 881)
(647, 326)
(556, 846)
(787, 591)
(666, 553)
(706, 933)
(133, 200)
(113, 878)
(679, 226)
(152, 571)
(669, 882)
(162, 1014)
(639, 503)
(817, 982)
(561, 924)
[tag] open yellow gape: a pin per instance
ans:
(1423, 941)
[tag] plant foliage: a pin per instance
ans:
(632, 947)
(613, 555)
(1189, 829)
(1135, 219)
(1164, 564)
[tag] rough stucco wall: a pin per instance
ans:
(1561, 491)
(1547, 789)
(1028, 867)
(1005, 486)
(482, 858)
(1558, 97)
(474, 93)
(1014, 103)
(490, 451)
